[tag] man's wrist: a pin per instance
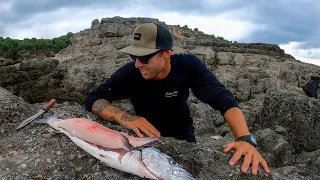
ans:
(248, 138)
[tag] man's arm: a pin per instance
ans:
(237, 122)
(208, 89)
(238, 125)
(107, 111)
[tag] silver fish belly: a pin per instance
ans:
(130, 162)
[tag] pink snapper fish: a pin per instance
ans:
(119, 150)
(95, 133)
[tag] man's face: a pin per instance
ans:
(152, 69)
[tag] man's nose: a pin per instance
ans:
(138, 64)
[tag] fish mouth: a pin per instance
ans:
(177, 172)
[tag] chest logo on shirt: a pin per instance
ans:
(171, 94)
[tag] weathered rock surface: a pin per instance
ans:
(266, 82)
(299, 116)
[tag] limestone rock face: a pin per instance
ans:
(297, 114)
(264, 80)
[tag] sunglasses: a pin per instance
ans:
(144, 59)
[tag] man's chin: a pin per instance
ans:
(146, 77)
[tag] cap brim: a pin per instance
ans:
(138, 51)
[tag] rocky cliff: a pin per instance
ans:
(265, 81)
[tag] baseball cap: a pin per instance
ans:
(149, 38)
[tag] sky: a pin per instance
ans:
(292, 24)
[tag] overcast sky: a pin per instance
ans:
(292, 24)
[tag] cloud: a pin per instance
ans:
(219, 25)
(311, 55)
(5, 6)
(275, 23)
(50, 24)
(19, 11)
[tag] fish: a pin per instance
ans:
(119, 150)
(96, 133)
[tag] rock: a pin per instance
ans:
(308, 157)
(225, 58)
(95, 25)
(279, 151)
(296, 172)
(297, 113)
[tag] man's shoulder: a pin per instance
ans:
(128, 68)
(186, 59)
(183, 56)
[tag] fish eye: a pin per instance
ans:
(174, 163)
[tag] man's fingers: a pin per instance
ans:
(229, 147)
(150, 128)
(264, 165)
(252, 157)
(146, 131)
(236, 156)
(136, 130)
(255, 164)
(246, 162)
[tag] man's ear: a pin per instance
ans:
(167, 53)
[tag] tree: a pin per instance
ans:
(11, 47)
(185, 27)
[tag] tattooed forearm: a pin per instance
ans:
(107, 111)
(115, 110)
(126, 117)
(100, 105)
(112, 119)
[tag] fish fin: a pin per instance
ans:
(140, 142)
(127, 145)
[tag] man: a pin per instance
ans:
(157, 84)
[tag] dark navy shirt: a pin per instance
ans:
(164, 102)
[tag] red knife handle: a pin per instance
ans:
(49, 105)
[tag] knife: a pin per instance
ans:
(41, 111)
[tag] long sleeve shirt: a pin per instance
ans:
(164, 102)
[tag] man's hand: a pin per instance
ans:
(252, 156)
(137, 124)
(107, 111)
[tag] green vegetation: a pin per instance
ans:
(196, 31)
(9, 48)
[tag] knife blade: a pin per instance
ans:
(33, 117)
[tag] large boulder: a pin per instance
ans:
(297, 114)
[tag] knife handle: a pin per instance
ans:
(49, 105)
